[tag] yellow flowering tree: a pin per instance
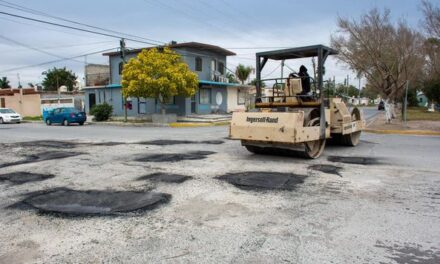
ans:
(158, 74)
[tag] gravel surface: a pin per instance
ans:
(384, 210)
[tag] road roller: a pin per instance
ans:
(295, 117)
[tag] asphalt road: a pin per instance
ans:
(384, 210)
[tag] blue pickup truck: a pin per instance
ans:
(65, 116)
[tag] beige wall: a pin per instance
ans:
(29, 105)
(233, 100)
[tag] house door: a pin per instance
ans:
(92, 100)
(2, 103)
(193, 104)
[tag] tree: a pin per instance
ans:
(4, 83)
(254, 83)
(242, 72)
(386, 54)
(369, 92)
(431, 25)
(56, 77)
(231, 77)
(158, 74)
(432, 90)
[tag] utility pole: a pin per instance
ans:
(122, 47)
(282, 70)
(348, 84)
(19, 83)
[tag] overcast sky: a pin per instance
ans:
(233, 24)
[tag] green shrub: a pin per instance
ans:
(102, 112)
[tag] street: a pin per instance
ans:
(378, 202)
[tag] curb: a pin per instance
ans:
(404, 132)
(188, 124)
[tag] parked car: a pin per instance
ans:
(381, 106)
(66, 116)
(8, 115)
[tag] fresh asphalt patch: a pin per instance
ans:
(24, 177)
(42, 144)
(165, 142)
(263, 180)
(174, 157)
(165, 177)
(68, 202)
(326, 168)
(355, 160)
(42, 156)
(106, 144)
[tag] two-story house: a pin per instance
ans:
(215, 94)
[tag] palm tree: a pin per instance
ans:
(4, 83)
(242, 72)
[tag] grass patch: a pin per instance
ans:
(33, 118)
(420, 113)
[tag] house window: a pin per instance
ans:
(221, 68)
(199, 64)
(205, 96)
(121, 67)
(421, 100)
(241, 97)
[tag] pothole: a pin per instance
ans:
(264, 180)
(165, 142)
(48, 155)
(355, 160)
(326, 168)
(165, 177)
(174, 157)
(24, 177)
(72, 202)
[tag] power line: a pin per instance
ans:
(33, 48)
(55, 61)
(37, 12)
(66, 46)
(74, 28)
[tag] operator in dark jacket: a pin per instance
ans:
(305, 80)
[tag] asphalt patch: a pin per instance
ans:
(263, 180)
(411, 253)
(165, 142)
(165, 177)
(355, 160)
(24, 177)
(48, 155)
(174, 157)
(46, 144)
(69, 202)
(330, 169)
(107, 144)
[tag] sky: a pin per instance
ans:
(242, 26)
